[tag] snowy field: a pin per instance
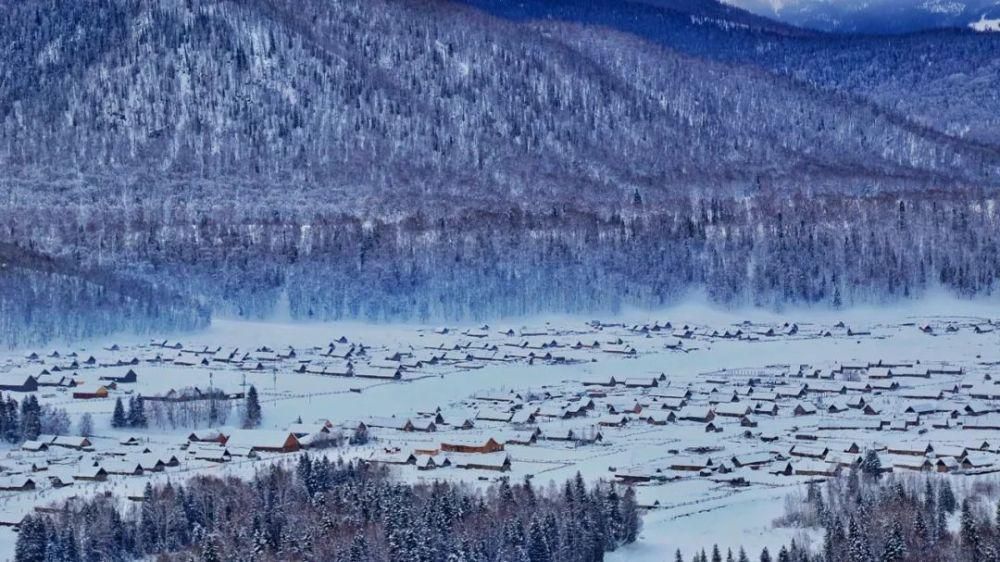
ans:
(715, 417)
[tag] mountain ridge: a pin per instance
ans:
(308, 94)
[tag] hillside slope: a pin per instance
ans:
(450, 104)
(947, 79)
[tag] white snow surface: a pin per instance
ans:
(691, 511)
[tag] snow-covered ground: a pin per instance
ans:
(539, 366)
(986, 24)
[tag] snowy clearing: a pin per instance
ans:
(715, 417)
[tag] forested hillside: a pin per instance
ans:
(339, 512)
(948, 79)
(421, 100)
(425, 160)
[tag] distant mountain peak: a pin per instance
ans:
(874, 16)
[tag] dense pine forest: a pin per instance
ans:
(169, 160)
(334, 511)
(772, 252)
(868, 516)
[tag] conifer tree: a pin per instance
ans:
(871, 466)
(630, 516)
(946, 498)
(895, 547)
(31, 423)
(538, 547)
(969, 533)
(118, 418)
(251, 409)
(858, 549)
(136, 412)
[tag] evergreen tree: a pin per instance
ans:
(765, 555)
(996, 517)
(742, 556)
(871, 466)
(613, 517)
(5, 421)
(716, 554)
(630, 516)
(213, 412)
(969, 533)
(946, 497)
(678, 557)
(528, 491)
(118, 418)
(70, 553)
(14, 421)
(304, 471)
(921, 533)
(251, 409)
(136, 412)
(209, 550)
(858, 549)
(32, 540)
(359, 549)
(538, 547)
(895, 547)
(31, 423)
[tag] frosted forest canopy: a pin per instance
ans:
(166, 160)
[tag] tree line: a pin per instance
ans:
(869, 516)
(322, 509)
(29, 420)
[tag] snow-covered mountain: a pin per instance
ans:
(986, 25)
(876, 16)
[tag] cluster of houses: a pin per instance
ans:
(63, 460)
(780, 420)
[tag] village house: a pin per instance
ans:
(399, 424)
(815, 468)
(70, 442)
(128, 377)
(982, 422)
(803, 409)
(946, 464)
(733, 409)
(392, 458)
(260, 440)
(752, 460)
(90, 473)
(912, 463)
(809, 451)
(16, 483)
(612, 420)
(471, 445)
(911, 448)
(701, 414)
(92, 393)
(123, 467)
(691, 464)
(499, 462)
(378, 373)
(13, 383)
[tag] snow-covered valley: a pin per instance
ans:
(713, 417)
